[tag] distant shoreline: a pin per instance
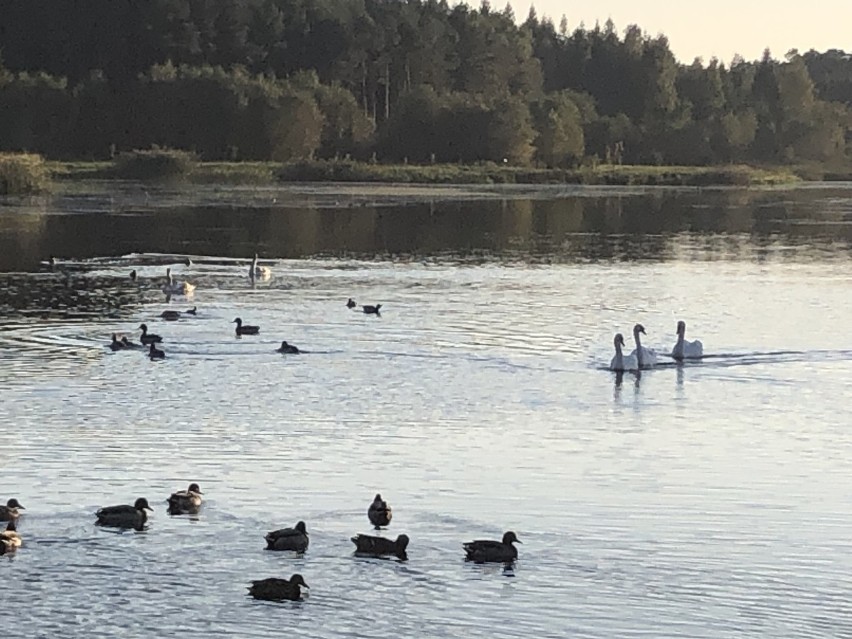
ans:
(271, 173)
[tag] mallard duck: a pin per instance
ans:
(170, 316)
(245, 330)
(9, 538)
(116, 344)
(482, 550)
(10, 512)
(350, 303)
(148, 338)
(372, 310)
(379, 513)
(287, 349)
(295, 538)
(259, 272)
(379, 546)
(185, 501)
(156, 353)
(124, 516)
(174, 287)
(275, 589)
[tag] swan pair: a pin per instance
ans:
(640, 358)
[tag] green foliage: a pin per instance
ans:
(560, 141)
(23, 174)
(154, 164)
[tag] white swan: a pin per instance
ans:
(174, 287)
(259, 272)
(646, 357)
(684, 349)
(621, 362)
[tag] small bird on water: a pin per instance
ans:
(124, 516)
(485, 551)
(10, 510)
(351, 303)
(295, 538)
(288, 349)
(372, 310)
(185, 502)
(379, 513)
(245, 330)
(275, 589)
(156, 353)
(380, 546)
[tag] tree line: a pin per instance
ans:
(399, 81)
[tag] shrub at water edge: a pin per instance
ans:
(154, 164)
(22, 173)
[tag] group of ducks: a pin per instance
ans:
(295, 539)
(642, 357)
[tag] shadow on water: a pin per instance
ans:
(564, 225)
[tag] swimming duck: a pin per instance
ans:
(156, 353)
(379, 513)
(128, 344)
(379, 546)
(351, 303)
(257, 271)
(372, 310)
(482, 551)
(116, 344)
(245, 330)
(275, 589)
(174, 287)
(10, 510)
(124, 516)
(684, 349)
(9, 538)
(170, 316)
(287, 349)
(148, 338)
(295, 538)
(192, 311)
(187, 261)
(133, 275)
(185, 502)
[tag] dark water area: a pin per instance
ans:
(708, 498)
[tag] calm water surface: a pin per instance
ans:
(708, 500)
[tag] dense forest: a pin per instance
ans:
(397, 81)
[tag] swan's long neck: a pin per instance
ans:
(619, 357)
(639, 358)
(678, 349)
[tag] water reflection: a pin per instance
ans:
(577, 225)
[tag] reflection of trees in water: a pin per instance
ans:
(652, 224)
(67, 295)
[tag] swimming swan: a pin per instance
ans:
(646, 357)
(622, 362)
(174, 287)
(259, 272)
(684, 349)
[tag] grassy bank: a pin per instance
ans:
(347, 171)
(23, 174)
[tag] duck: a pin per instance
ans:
(133, 275)
(287, 349)
(185, 501)
(622, 362)
(379, 513)
(128, 344)
(645, 357)
(156, 353)
(259, 272)
(380, 546)
(350, 303)
(170, 316)
(245, 330)
(116, 344)
(148, 338)
(372, 310)
(124, 516)
(295, 538)
(484, 551)
(175, 287)
(9, 538)
(684, 349)
(187, 261)
(10, 510)
(192, 311)
(276, 589)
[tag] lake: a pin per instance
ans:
(709, 499)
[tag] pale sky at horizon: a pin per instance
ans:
(721, 28)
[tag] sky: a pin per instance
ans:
(720, 28)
